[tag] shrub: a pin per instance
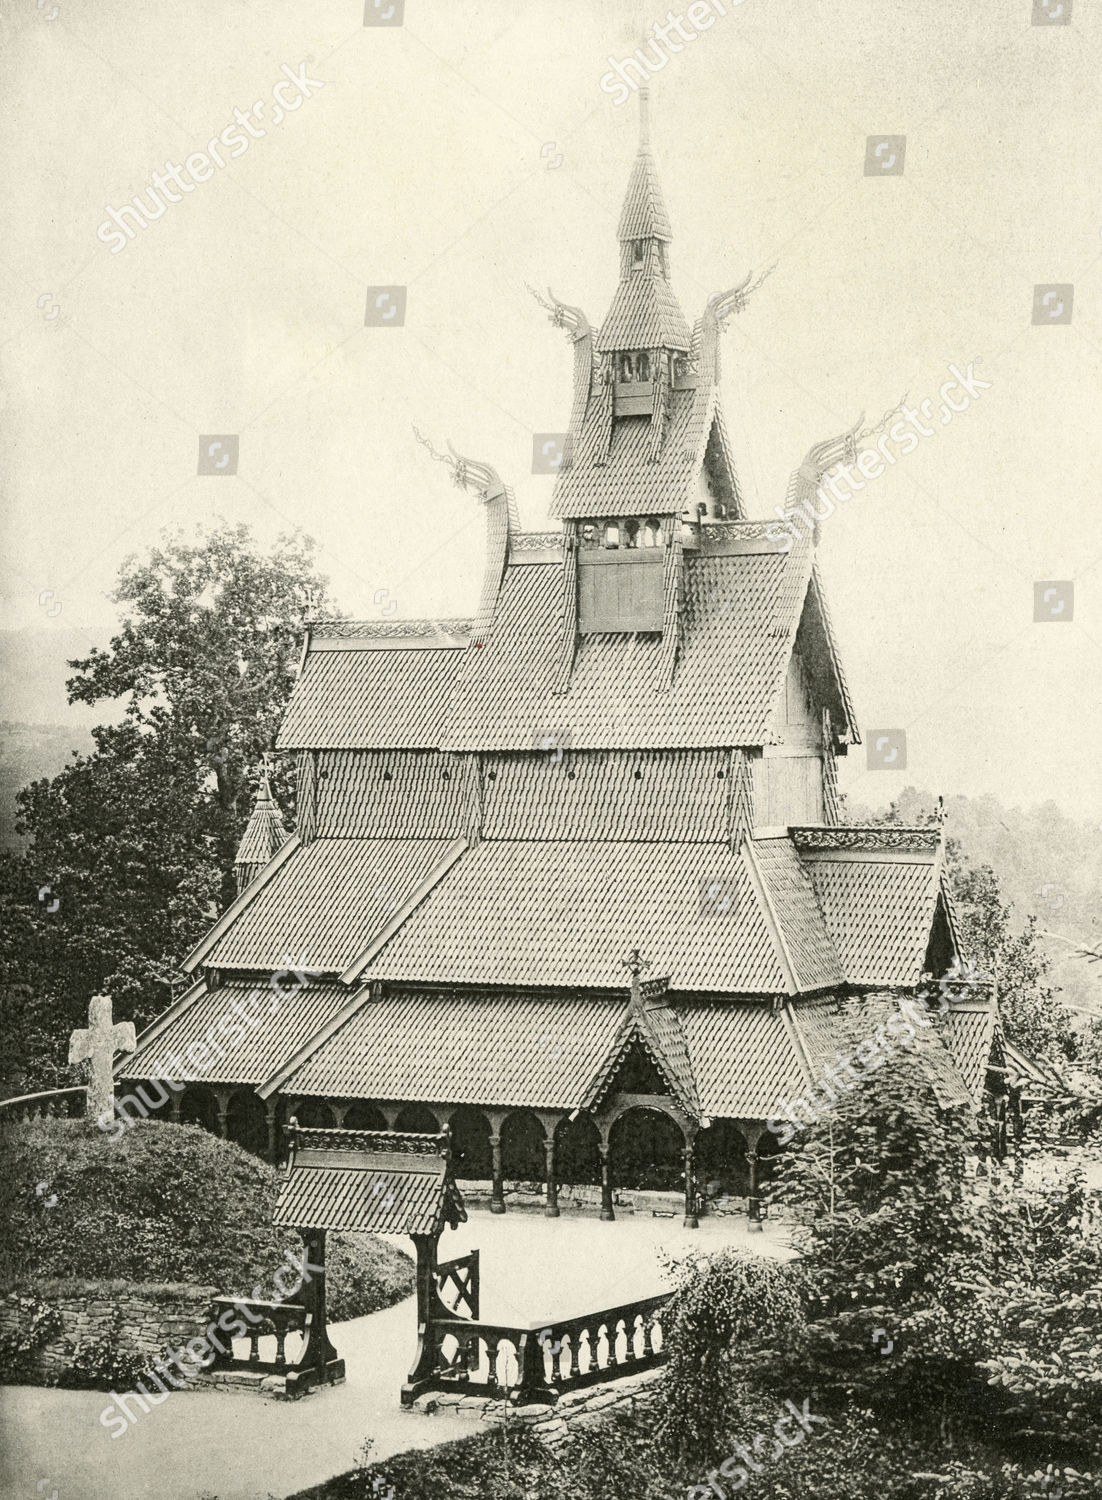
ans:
(728, 1314)
(165, 1203)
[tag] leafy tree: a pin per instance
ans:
(1031, 1012)
(134, 843)
(877, 1187)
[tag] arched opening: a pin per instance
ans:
(646, 1150)
(770, 1151)
(418, 1119)
(315, 1114)
(631, 533)
(722, 1170)
(642, 367)
(522, 1154)
(472, 1156)
(627, 367)
(612, 534)
(649, 533)
(578, 1152)
(364, 1116)
(198, 1106)
(247, 1122)
(149, 1099)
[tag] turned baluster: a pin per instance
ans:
(281, 1339)
(254, 1346)
(575, 1350)
(492, 1344)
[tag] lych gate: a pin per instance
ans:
(386, 1182)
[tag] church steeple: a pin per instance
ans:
(645, 318)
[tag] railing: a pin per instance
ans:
(26, 1107)
(540, 1362)
(276, 1319)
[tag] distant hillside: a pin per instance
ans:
(27, 752)
(1048, 866)
(41, 728)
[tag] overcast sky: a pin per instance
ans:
(471, 150)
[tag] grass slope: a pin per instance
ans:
(165, 1203)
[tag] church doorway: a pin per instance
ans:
(647, 1151)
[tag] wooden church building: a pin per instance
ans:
(572, 876)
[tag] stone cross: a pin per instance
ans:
(98, 1045)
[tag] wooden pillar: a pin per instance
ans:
(340, 1110)
(552, 1209)
(271, 1107)
(691, 1220)
(607, 1214)
(753, 1202)
(319, 1351)
(174, 1106)
(497, 1193)
(424, 1362)
(222, 1098)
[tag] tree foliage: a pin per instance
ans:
(130, 849)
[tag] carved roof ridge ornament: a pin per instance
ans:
(721, 305)
(502, 523)
(571, 319)
(878, 836)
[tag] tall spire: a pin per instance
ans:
(644, 314)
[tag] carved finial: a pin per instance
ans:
(644, 119)
(722, 304)
(469, 473)
(823, 456)
(562, 314)
(636, 963)
(267, 766)
(310, 603)
(884, 422)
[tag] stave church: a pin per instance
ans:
(572, 876)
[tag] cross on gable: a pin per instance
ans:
(636, 963)
(97, 1045)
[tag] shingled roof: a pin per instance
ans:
(508, 700)
(370, 693)
(623, 478)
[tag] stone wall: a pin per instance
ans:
(572, 1412)
(149, 1320)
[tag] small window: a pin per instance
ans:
(638, 254)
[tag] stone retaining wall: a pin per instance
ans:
(150, 1319)
(572, 1412)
